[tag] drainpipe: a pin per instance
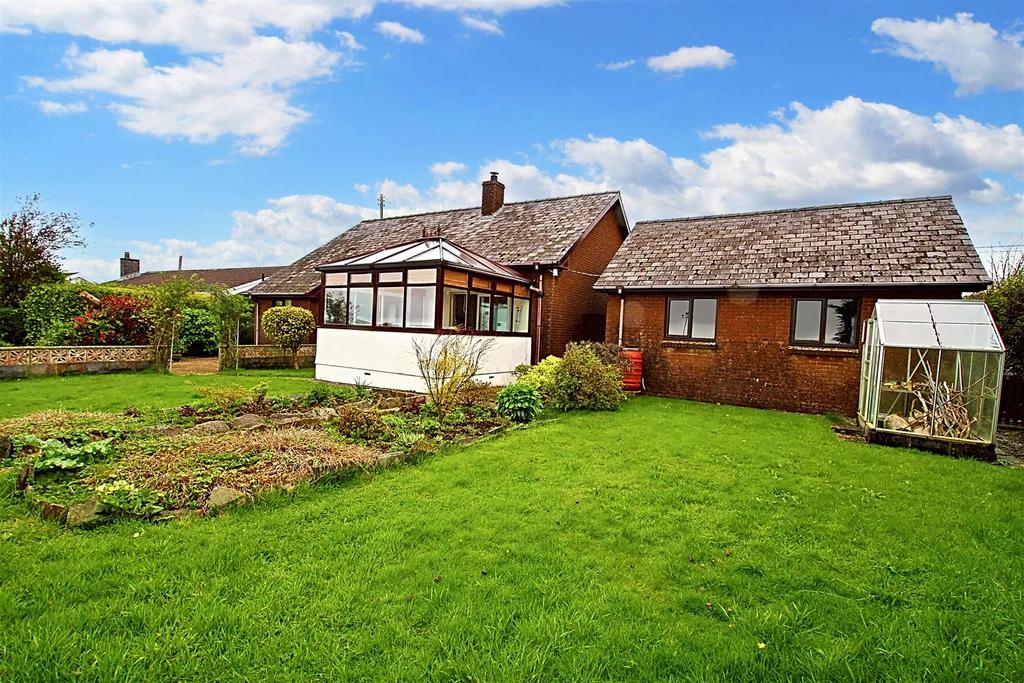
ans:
(540, 307)
(622, 309)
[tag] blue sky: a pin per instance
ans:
(248, 132)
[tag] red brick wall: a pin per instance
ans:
(751, 362)
(264, 304)
(572, 310)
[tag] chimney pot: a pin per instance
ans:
(493, 195)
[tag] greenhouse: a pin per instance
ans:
(932, 370)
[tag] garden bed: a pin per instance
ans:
(86, 468)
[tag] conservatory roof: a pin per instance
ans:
(425, 252)
(950, 324)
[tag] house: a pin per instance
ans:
(238, 280)
(766, 309)
(520, 272)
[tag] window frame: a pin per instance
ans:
(439, 286)
(822, 302)
(689, 320)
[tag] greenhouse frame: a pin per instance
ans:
(932, 370)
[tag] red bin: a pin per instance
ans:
(633, 374)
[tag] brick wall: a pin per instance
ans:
(572, 310)
(264, 304)
(751, 362)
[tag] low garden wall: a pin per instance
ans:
(28, 361)
(269, 356)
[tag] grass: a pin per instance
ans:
(142, 389)
(666, 541)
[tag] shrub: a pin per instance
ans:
(288, 327)
(1006, 300)
(198, 333)
(479, 394)
(12, 325)
(519, 402)
(58, 333)
(123, 496)
(584, 382)
(356, 422)
(231, 398)
(228, 311)
(56, 305)
(116, 320)
(540, 376)
(448, 365)
(167, 304)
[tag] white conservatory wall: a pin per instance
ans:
(386, 359)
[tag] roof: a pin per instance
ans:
(427, 251)
(962, 325)
(903, 241)
(519, 234)
(224, 277)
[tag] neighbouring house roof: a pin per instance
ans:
(518, 234)
(427, 251)
(905, 241)
(224, 277)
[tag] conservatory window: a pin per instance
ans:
(390, 304)
(480, 311)
(691, 318)
(521, 316)
(336, 306)
(826, 322)
(502, 314)
(361, 306)
(454, 310)
(419, 306)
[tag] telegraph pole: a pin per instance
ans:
(380, 203)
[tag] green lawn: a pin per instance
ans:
(662, 542)
(142, 389)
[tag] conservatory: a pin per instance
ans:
(931, 372)
(376, 305)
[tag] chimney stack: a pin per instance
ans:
(493, 195)
(180, 257)
(129, 266)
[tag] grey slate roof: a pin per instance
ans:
(225, 277)
(518, 234)
(904, 241)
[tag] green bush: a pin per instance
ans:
(198, 333)
(1006, 301)
(364, 424)
(12, 326)
(288, 327)
(541, 376)
(584, 382)
(519, 402)
(49, 308)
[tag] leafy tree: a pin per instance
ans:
(288, 327)
(167, 305)
(30, 241)
(1005, 299)
(228, 309)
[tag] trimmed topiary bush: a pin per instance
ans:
(584, 382)
(520, 403)
(288, 327)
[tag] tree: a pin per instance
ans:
(30, 243)
(228, 309)
(448, 364)
(166, 306)
(288, 327)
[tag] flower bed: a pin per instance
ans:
(86, 468)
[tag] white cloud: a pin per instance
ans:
(51, 108)
(677, 61)
(494, 6)
(349, 41)
(443, 169)
(994, 193)
(399, 32)
(361, 188)
(244, 93)
(617, 66)
(974, 54)
(483, 25)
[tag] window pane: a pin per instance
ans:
(521, 315)
(480, 311)
(808, 321)
(389, 277)
(390, 303)
(704, 311)
(841, 321)
(333, 279)
(422, 277)
(678, 317)
(419, 307)
(502, 314)
(454, 311)
(452, 277)
(335, 306)
(360, 308)
(360, 278)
